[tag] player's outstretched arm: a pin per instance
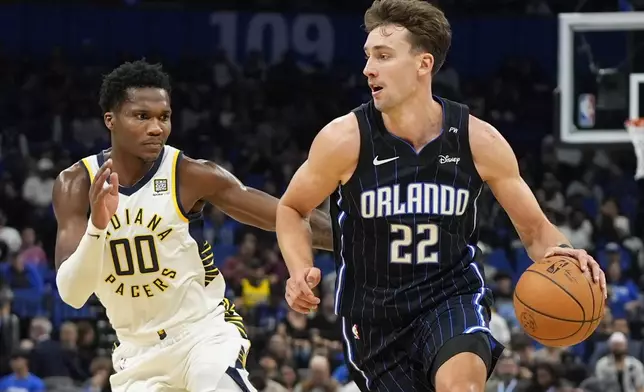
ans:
(497, 165)
(79, 243)
(332, 158)
(247, 205)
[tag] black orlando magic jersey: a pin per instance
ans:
(405, 223)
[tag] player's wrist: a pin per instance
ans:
(93, 230)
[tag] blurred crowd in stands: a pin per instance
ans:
(451, 7)
(258, 120)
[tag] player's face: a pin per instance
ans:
(142, 124)
(394, 71)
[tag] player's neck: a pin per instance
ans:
(130, 168)
(417, 120)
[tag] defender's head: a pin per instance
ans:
(407, 44)
(135, 98)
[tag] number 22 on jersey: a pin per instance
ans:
(402, 249)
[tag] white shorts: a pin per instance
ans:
(205, 356)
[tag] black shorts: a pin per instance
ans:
(390, 357)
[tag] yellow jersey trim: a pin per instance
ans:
(88, 167)
(175, 188)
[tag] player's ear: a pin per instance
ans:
(426, 64)
(108, 118)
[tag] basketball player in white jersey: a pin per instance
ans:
(141, 251)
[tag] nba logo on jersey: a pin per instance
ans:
(586, 109)
(354, 329)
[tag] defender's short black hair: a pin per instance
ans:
(137, 74)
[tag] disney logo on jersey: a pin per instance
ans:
(136, 254)
(448, 159)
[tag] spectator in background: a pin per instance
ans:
(290, 378)
(524, 348)
(21, 380)
(269, 366)
(274, 266)
(21, 276)
(635, 348)
(101, 370)
(38, 187)
(218, 229)
(9, 330)
(69, 344)
(612, 226)
(10, 236)
(254, 289)
(263, 383)
(296, 328)
(549, 195)
(548, 355)
(86, 344)
(503, 289)
(499, 328)
(326, 323)
(31, 251)
(279, 349)
(234, 267)
(544, 379)
(319, 377)
(579, 231)
(266, 317)
(623, 293)
(506, 375)
(618, 368)
(47, 359)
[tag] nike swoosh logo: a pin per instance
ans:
(94, 235)
(376, 162)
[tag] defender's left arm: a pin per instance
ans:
(498, 167)
(247, 205)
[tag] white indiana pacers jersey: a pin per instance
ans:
(158, 271)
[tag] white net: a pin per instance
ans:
(635, 129)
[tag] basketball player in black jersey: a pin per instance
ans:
(405, 171)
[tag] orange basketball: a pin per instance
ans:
(557, 304)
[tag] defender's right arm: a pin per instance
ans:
(332, 159)
(79, 245)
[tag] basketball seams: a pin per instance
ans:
(581, 323)
(590, 326)
(583, 311)
(548, 315)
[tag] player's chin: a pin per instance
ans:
(150, 152)
(380, 104)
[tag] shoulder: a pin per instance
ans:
(492, 154)
(483, 134)
(36, 381)
(340, 137)
(202, 169)
(71, 182)
(603, 361)
(336, 148)
(201, 179)
(341, 132)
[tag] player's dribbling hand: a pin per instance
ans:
(299, 293)
(586, 262)
(104, 196)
